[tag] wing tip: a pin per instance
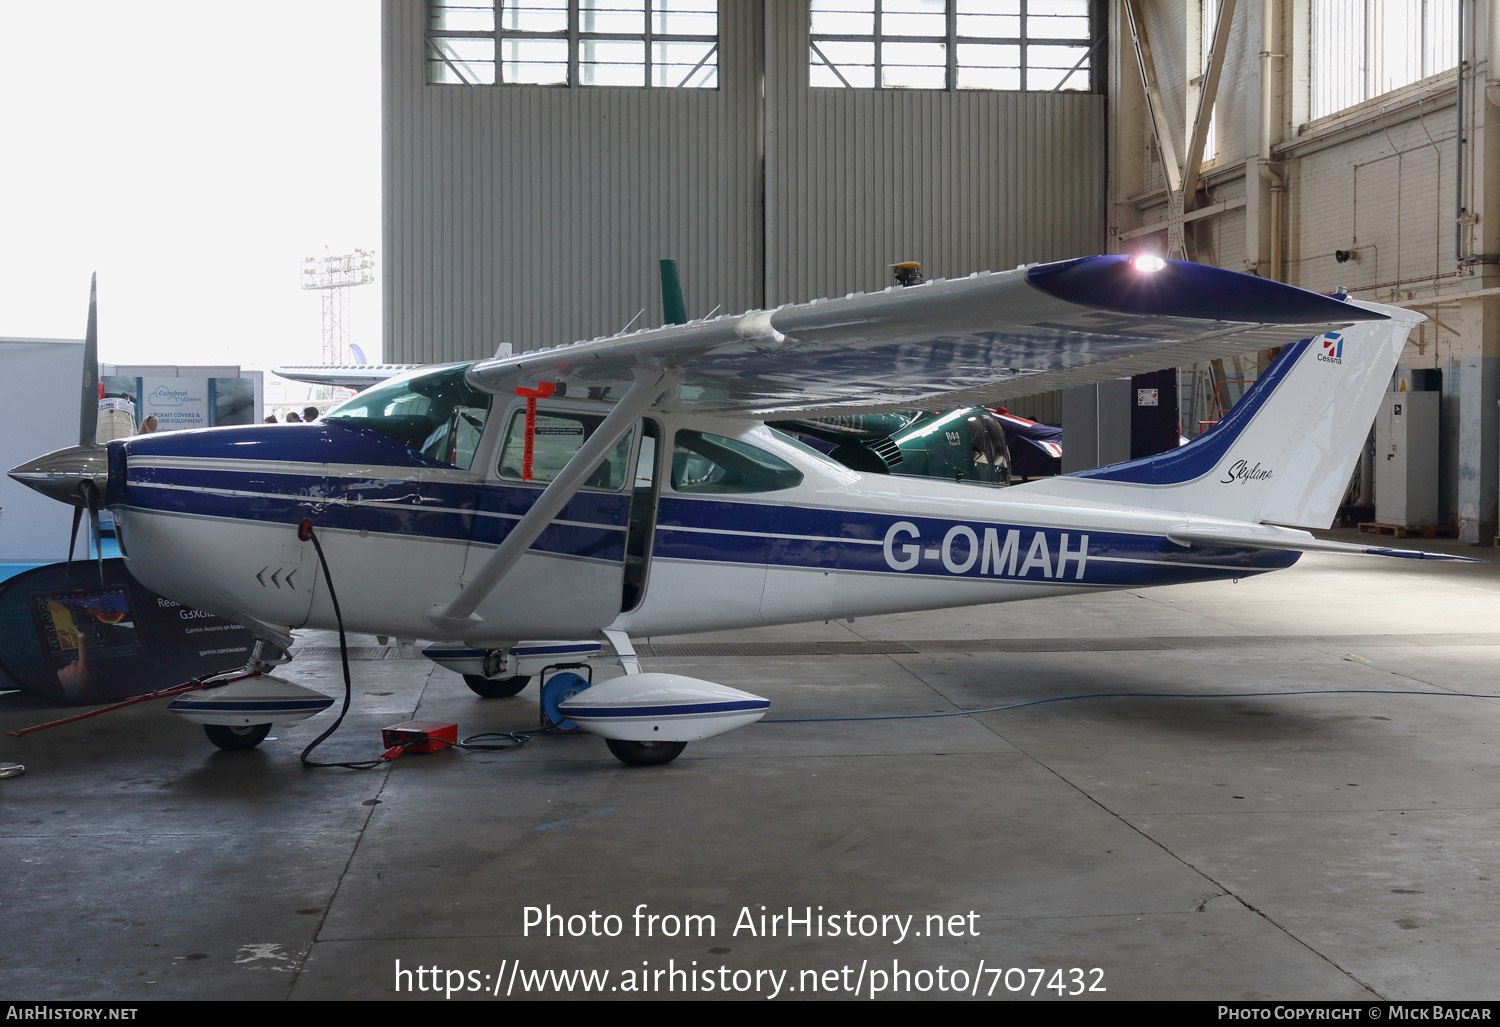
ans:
(1179, 288)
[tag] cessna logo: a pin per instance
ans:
(1241, 471)
(993, 551)
(1333, 349)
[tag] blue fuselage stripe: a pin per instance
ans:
(711, 531)
(1204, 453)
(591, 525)
(586, 713)
(843, 540)
(250, 705)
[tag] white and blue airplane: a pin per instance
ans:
(628, 486)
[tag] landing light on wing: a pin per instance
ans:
(1148, 263)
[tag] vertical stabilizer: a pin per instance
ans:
(1284, 454)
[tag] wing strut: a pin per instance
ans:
(459, 614)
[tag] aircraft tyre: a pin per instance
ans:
(496, 688)
(644, 754)
(235, 739)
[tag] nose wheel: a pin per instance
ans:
(496, 688)
(235, 739)
(644, 754)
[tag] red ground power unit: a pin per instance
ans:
(420, 735)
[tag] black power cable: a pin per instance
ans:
(306, 534)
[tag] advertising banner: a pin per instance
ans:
(91, 633)
(176, 403)
(179, 403)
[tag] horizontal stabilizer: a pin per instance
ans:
(1269, 537)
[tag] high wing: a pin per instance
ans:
(975, 340)
(352, 376)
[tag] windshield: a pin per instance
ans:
(434, 412)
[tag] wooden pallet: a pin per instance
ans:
(1415, 531)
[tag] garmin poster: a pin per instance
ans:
(88, 632)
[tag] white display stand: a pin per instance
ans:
(40, 414)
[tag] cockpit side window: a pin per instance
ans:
(559, 434)
(436, 413)
(707, 463)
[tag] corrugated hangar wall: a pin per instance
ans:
(536, 215)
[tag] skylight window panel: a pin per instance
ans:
(1048, 66)
(534, 15)
(661, 43)
(936, 44)
(685, 65)
(684, 18)
(914, 18)
(536, 62)
(845, 64)
(843, 17)
(611, 62)
(914, 65)
(613, 17)
(459, 60)
(989, 26)
(461, 16)
(1057, 19)
(989, 66)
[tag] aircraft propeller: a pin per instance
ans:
(76, 475)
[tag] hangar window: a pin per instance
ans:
(1363, 48)
(1035, 45)
(670, 44)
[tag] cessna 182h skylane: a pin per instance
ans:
(643, 494)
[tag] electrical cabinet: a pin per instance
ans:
(1406, 459)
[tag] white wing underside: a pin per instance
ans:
(977, 340)
(353, 376)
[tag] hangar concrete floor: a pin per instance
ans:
(1222, 847)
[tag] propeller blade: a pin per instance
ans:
(90, 493)
(73, 535)
(88, 407)
(98, 538)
